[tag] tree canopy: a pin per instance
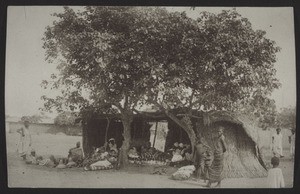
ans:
(120, 58)
(100, 58)
(217, 61)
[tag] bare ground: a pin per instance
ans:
(22, 175)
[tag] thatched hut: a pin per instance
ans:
(242, 158)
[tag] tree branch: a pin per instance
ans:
(199, 100)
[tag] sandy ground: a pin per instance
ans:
(22, 175)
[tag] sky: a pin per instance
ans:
(26, 66)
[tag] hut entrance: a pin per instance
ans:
(97, 131)
(175, 134)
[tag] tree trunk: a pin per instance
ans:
(127, 120)
(85, 142)
(189, 130)
(186, 124)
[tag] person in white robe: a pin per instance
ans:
(292, 143)
(25, 141)
(276, 144)
(275, 177)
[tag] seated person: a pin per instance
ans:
(144, 153)
(112, 157)
(132, 154)
(49, 162)
(31, 158)
(187, 153)
(76, 153)
(112, 145)
(174, 147)
(147, 152)
(177, 156)
(101, 153)
(97, 155)
(100, 165)
(61, 164)
(71, 163)
(181, 146)
(143, 149)
(148, 145)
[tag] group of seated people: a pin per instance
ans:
(181, 152)
(105, 157)
(147, 154)
(74, 158)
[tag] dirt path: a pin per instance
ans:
(22, 175)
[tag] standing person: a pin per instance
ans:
(292, 142)
(199, 158)
(216, 168)
(25, 140)
(277, 143)
(275, 177)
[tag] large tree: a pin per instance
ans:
(217, 62)
(123, 57)
(102, 62)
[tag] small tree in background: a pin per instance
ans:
(286, 118)
(32, 119)
(66, 120)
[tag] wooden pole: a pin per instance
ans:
(155, 134)
(106, 131)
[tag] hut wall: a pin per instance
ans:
(94, 133)
(240, 159)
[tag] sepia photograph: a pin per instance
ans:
(150, 97)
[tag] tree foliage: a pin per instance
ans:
(65, 119)
(101, 58)
(102, 62)
(32, 119)
(216, 62)
(286, 118)
(119, 58)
